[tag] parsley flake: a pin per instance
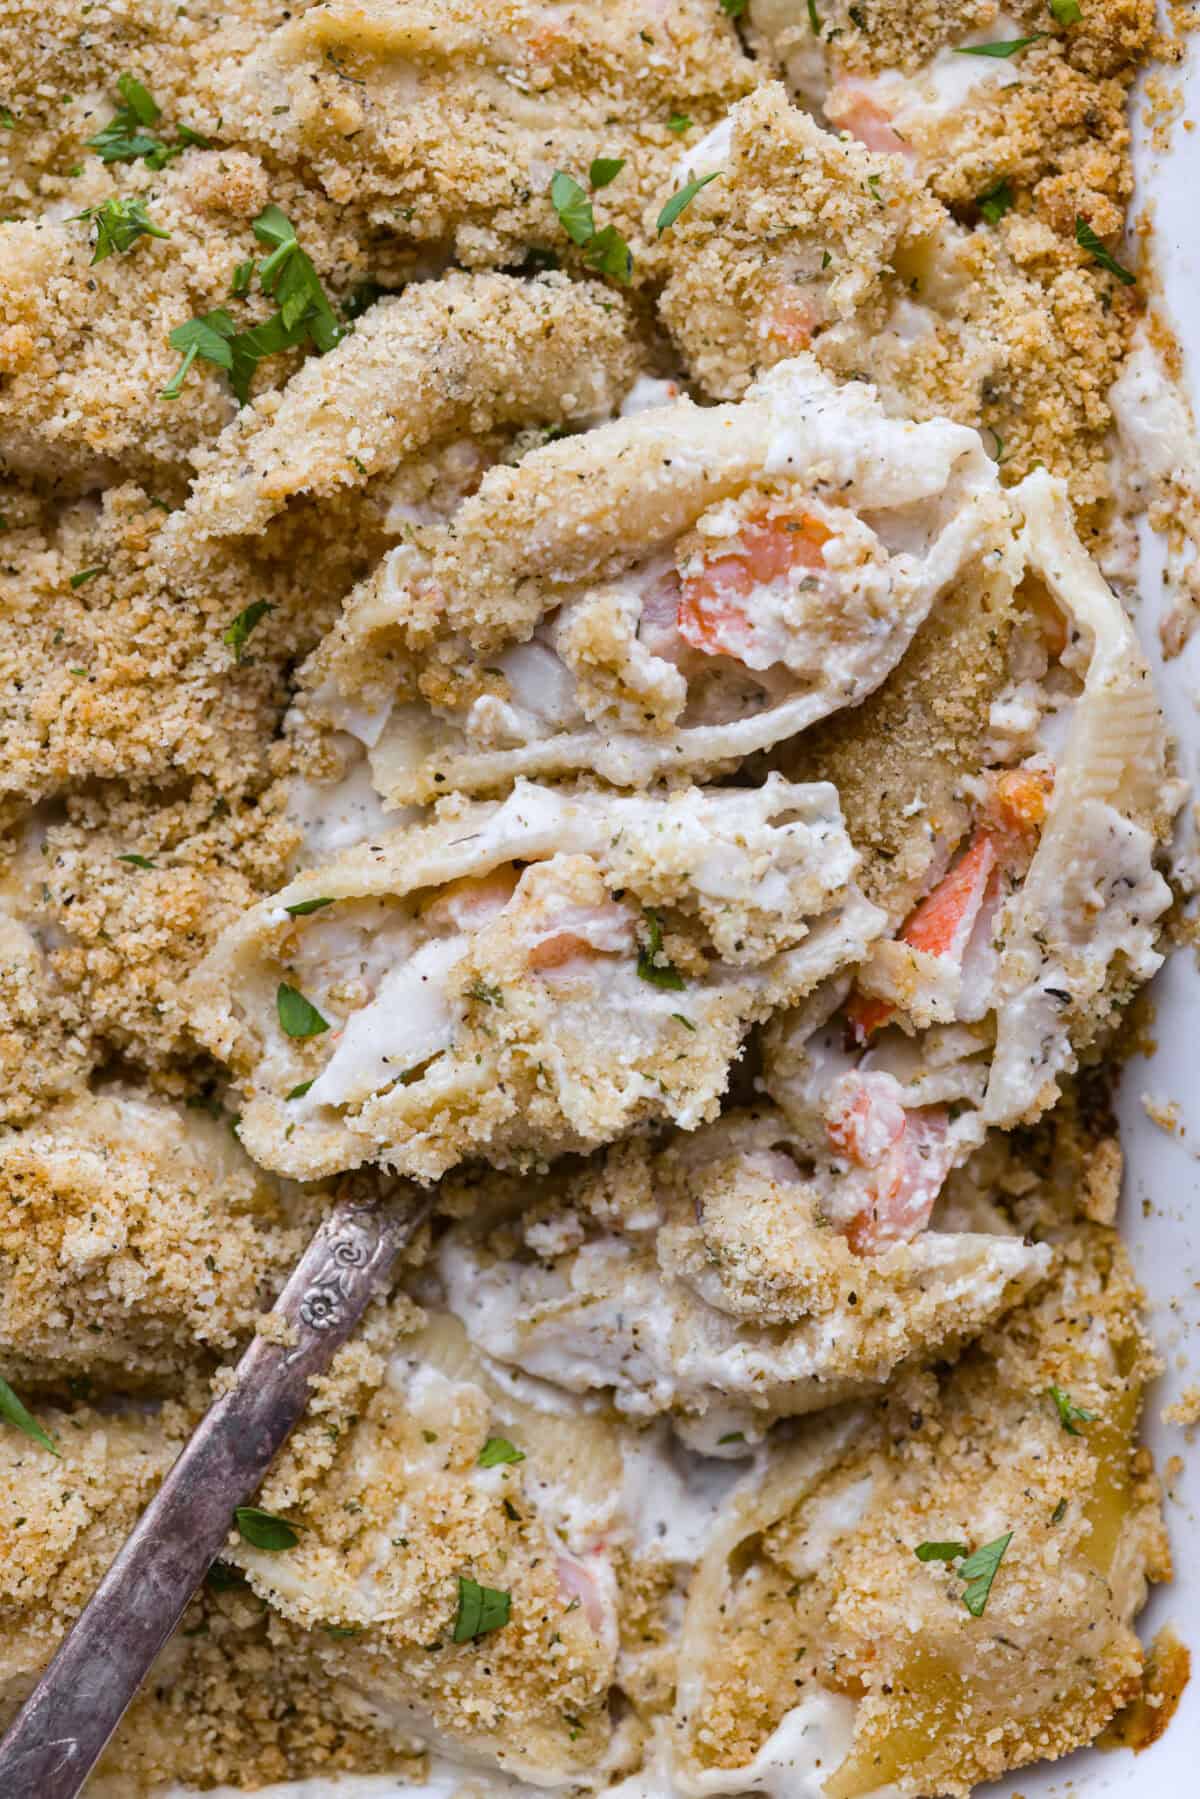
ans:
(297, 1016)
(606, 249)
(679, 123)
(240, 283)
(498, 1451)
(1087, 240)
(979, 1571)
(1070, 1415)
(264, 1530)
(299, 1092)
(7, 119)
(996, 202)
(681, 1018)
(605, 169)
(733, 9)
(302, 908)
(136, 861)
(814, 18)
(207, 337)
(1059, 1512)
(684, 197)
(1009, 47)
(12, 1409)
(84, 575)
(127, 136)
(1066, 12)
(480, 1609)
(236, 633)
(649, 967)
(732, 1436)
(573, 207)
(486, 993)
(609, 252)
(119, 224)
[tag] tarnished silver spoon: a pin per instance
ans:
(62, 1728)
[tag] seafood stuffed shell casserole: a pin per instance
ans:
(569, 592)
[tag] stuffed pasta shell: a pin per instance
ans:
(715, 1280)
(665, 595)
(528, 976)
(1042, 906)
(932, 1570)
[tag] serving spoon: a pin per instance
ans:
(60, 1731)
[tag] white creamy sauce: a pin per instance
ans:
(796, 1760)
(670, 1495)
(710, 154)
(344, 812)
(409, 1020)
(1156, 439)
(647, 392)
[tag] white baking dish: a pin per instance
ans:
(1160, 1216)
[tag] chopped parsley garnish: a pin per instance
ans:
(236, 633)
(1066, 12)
(999, 455)
(573, 207)
(873, 184)
(498, 1451)
(684, 197)
(119, 224)
(605, 169)
(1070, 1415)
(264, 1530)
(609, 253)
(127, 136)
(679, 123)
(480, 1609)
(12, 1409)
(486, 993)
(1059, 1512)
(996, 202)
(208, 337)
(977, 1569)
(658, 973)
(733, 9)
(241, 277)
(814, 18)
(7, 119)
(681, 1018)
(136, 861)
(287, 275)
(1009, 47)
(88, 574)
(606, 249)
(1087, 240)
(297, 1016)
(302, 908)
(732, 1436)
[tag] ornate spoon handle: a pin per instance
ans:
(80, 1699)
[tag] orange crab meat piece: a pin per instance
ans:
(940, 926)
(906, 1155)
(713, 614)
(859, 113)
